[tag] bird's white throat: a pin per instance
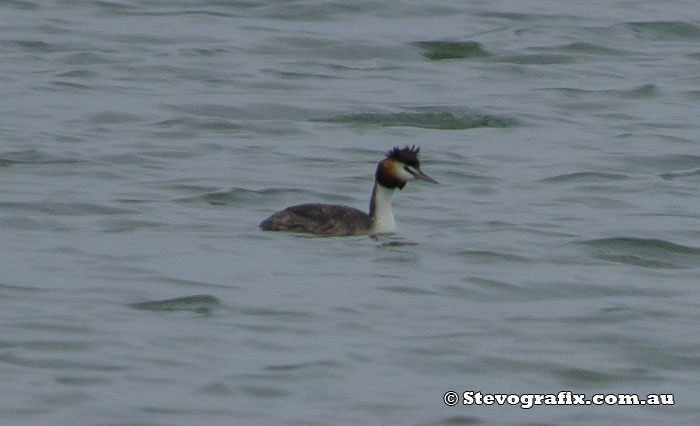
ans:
(380, 210)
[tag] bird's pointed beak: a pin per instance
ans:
(422, 176)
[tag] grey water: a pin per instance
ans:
(141, 143)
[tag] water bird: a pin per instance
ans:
(394, 171)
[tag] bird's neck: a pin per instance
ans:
(380, 209)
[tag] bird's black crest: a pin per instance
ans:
(407, 155)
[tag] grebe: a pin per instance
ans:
(399, 166)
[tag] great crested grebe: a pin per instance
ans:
(399, 166)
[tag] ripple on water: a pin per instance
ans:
(643, 91)
(648, 253)
(188, 124)
(586, 48)
(408, 290)
(427, 118)
(201, 304)
(665, 30)
(486, 290)
(305, 366)
(65, 209)
(691, 174)
(118, 226)
(488, 256)
(21, 4)
(664, 162)
(586, 377)
(536, 59)
(585, 177)
(457, 421)
(440, 50)
(113, 117)
(67, 86)
(32, 46)
(57, 363)
(242, 195)
(32, 156)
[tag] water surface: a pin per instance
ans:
(142, 142)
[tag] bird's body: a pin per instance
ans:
(399, 166)
(319, 219)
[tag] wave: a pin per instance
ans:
(645, 252)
